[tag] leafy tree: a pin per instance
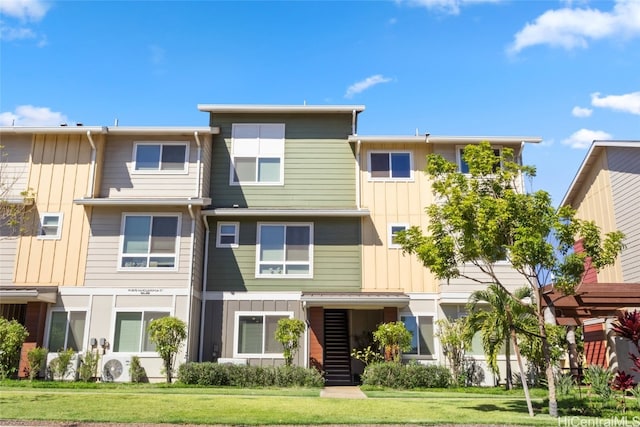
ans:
(13, 216)
(484, 217)
(168, 334)
(394, 338)
(496, 321)
(531, 345)
(454, 339)
(12, 336)
(288, 334)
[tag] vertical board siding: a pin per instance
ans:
(104, 247)
(336, 263)
(318, 164)
(59, 174)
(624, 170)
(120, 180)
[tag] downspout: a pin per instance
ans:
(190, 276)
(354, 122)
(205, 271)
(198, 163)
(358, 197)
(92, 168)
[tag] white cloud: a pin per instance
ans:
(10, 33)
(26, 10)
(584, 137)
(448, 6)
(628, 103)
(571, 28)
(365, 84)
(581, 112)
(28, 115)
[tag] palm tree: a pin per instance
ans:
(494, 312)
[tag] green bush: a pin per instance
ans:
(36, 358)
(138, 373)
(12, 336)
(215, 374)
(410, 376)
(61, 366)
(88, 369)
(599, 378)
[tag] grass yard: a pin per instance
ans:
(174, 404)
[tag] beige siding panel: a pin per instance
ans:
(508, 277)
(207, 150)
(120, 180)
(104, 247)
(8, 247)
(14, 164)
(144, 301)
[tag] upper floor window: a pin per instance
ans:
(284, 250)
(50, 226)
(462, 164)
(132, 330)
(390, 165)
(257, 154)
(149, 241)
(227, 235)
(164, 157)
(421, 328)
(66, 330)
(394, 229)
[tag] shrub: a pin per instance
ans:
(36, 358)
(599, 379)
(12, 336)
(215, 374)
(61, 366)
(168, 334)
(288, 334)
(89, 366)
(394, 338)
(410, 376)
(138, 373)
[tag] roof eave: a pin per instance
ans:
(297, 109)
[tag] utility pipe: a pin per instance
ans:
(205, 272)
(198, 163)
(358, 197)
(92, 168)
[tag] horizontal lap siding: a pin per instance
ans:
(14, 164)
(624, 169)
(104, 247)
(319, 164)
(8, 248)
(120, 180)
(336, 264)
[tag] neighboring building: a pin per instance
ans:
(605, 190)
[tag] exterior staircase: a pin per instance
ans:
(337, 357)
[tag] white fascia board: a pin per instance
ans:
(248, 108)
(18, 130)
(246, 212)
(388, 139)
(144, 130)
(435, 139)
(186, 201)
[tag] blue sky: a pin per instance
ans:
(567, 71)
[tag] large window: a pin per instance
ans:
(462, 164)
(66, 330)
(131, 330)
(284, 250)
(255, 334)
(421, 328)
(394, 165)
(50, 226)
(257, 154)
(149, 241)
(165, 157)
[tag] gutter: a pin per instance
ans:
(92, 168)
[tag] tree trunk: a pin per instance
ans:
(523, 375)
(573, 352)
(508, 385)
(551, 384)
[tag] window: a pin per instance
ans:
(255, 334)
(462, 164)
(394, 229)
(421, 328)
(131, 331)
(390, 165)
(50, 226)
(284, 250)
(149, 241)
(166, 157)
(66, 330)
(227, 235)
(257, 152)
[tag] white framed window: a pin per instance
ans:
(149, 241)
(257, 154)
(422, 334)
(254, 334)
(390, 166)
(462, 164)
(284, 250)
(228, 234)
(66, 330)
(392, 234)
(131, 333)
(160, 157)
(50, 226)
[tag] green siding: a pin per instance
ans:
(319, 164)
(336, 263)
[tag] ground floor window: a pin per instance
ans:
(131, 330)
(66, 330)
(255, 334)
(421, 328)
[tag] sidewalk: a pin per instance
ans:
(343, 392)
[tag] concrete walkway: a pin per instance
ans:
(343, 392)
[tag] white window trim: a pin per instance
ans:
(459, 148)
(285, 276)
(232, 166)
(68, 310)
(436, 341)
(219, 234)
(184, 171)
(389, 152)
(151, 214)
(390, 243)
(236, 333)
(58, 235)
(141, 310)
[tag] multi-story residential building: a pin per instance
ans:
(114, 240)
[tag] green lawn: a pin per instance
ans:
(174, 404)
